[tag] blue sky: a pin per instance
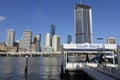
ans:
(38, 15)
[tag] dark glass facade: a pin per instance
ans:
(83, 23)
(52, 33)
(69, 39)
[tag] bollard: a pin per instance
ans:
(26, 68)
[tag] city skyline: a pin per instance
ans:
(39, 17)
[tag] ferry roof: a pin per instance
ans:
(89, 47)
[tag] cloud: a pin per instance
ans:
(41, 18)
(117, 31)
(2, 18)
(40, 13)
(38, 10)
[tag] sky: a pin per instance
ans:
(38, 15)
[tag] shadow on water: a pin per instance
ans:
(76, 75)
(26, 69)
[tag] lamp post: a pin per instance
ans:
(102, 39)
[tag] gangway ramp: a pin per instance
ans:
(96, 75)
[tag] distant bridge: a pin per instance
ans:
(30, 54)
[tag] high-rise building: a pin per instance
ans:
(37, 41)
(56, 43)
(52, 33)
(69, 39)
(10, 37)
(111, 40)
(20, 43)
(83, 23)
(52, 30)
(47, 47)
(33, 48)
(47, 39)
(27, 39)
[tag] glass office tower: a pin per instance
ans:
(37, 42)
(27, 39)
(10, 37)
(69, 39)
(83, 23)
(52, 33)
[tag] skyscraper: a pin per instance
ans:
(69, 39)
(27, 39)
(52, 30)
(47, 39)
(47, 47)
(10, 37)
(37, 41)
(83, 23)
(52, 33)
(56, 43)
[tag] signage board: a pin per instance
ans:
(89, 46)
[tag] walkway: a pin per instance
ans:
(97, 75)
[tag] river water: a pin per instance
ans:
(46, 68)
(39, 68)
